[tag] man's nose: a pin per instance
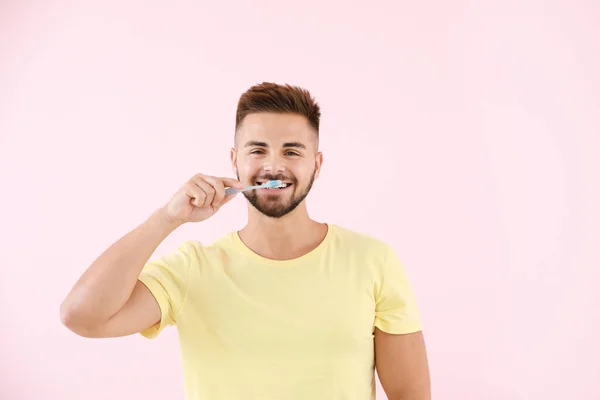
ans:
(274, 164)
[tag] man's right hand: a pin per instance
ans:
(199, 198)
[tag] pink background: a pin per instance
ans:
(467, 134)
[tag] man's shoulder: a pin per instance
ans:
(199, 247)
(360, 240)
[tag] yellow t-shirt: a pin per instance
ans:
(254, 328)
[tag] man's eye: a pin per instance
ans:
(255, 151)
(292, 153)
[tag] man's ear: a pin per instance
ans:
(233, 157)
(318, 164)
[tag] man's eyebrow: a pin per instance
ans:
(263, 144)
(255, 143)
(295, 144)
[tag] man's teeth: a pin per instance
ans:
(283, 186)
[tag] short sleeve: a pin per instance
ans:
(396, 309)
(166, 277)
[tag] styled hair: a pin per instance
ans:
(272, 97)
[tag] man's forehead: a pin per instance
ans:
(275, 129)
(279, 122)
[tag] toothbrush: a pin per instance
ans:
(267, 185)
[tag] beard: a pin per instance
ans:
(275, 206)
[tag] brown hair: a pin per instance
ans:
(271, 97)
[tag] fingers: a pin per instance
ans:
(207, 191)
(229, 182)
(207, 188)
(219, 188)
(195, 193)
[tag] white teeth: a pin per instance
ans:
(285, 185)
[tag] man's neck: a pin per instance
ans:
(285, 238)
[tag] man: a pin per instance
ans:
(286, 308)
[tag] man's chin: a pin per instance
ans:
(274, 208)
(268, 209)
(273, 212)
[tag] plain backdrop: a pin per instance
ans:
(465, 133)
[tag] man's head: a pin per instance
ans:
(277, 137)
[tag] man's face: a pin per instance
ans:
(273, 146)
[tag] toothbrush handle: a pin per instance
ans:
(231, 190)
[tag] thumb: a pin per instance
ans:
(226, 200)
(230, 182)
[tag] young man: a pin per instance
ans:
(287, 307)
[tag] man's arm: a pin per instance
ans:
(402, 366)
(108, 300)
